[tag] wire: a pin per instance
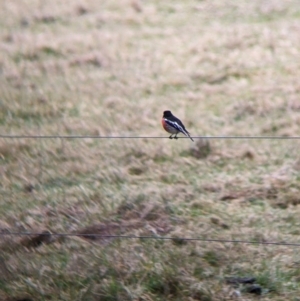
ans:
(96, 235)
(144, 137)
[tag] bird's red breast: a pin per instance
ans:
(163, 122)
(168, 128)
(165, 126)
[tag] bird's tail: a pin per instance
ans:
(188, 135)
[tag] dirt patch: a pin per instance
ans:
(34, 241)
(13, 242)
(142, 219)
(278, 196)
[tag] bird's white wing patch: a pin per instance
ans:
(176, 126)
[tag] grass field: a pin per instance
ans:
(110, 68)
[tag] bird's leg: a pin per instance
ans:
(171, 137)
(176, 136)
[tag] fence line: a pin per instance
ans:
(99, 236)
(145, 137)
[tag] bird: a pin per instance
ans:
(173, 125)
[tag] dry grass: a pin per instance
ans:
(111, 68)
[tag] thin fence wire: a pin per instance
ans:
(7, 136)
(99, 236)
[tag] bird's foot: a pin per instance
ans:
(171, 137)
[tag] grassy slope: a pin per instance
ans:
(72, 67)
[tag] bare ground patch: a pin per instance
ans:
(140, 220)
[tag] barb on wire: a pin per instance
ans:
(96, 235)
(16, 136)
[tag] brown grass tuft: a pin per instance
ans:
(37, 240)
(201, 150)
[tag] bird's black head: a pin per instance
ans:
(167, 114)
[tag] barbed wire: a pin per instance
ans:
(8, 136)
(101, 236)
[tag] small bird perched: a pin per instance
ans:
(173, 125)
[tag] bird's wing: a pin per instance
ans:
(177, 124)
